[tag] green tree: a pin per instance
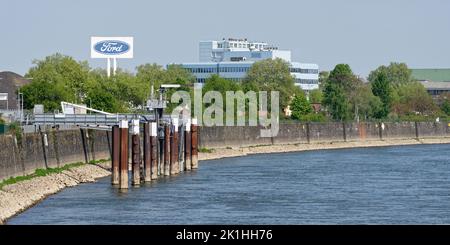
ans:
(222, 85)
(300, 106)
(154, 75)
(342, 75)
(102, 100)
(397, 73)
(56, 78)
(445, 107)
(148, 75)
(345, 95)
(336, 101)
(337, 89)
(366, 104)
(176, 74)
(381, 87)
(106, 93)
(123, 86)
(315, 96)
(444, 102)
(412, 98)
(385, 81)
(272, 75)
(46, 93)
(323, 76)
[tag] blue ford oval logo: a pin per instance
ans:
(111, 47)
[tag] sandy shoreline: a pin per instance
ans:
(20, 196)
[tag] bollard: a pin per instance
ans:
(174, 165)
(187, 146)
(115, 155)
(154, 150)
(180, 148)
(194, 143)
(344, 131)
(135, 159)
(416, 126)
(147, 153)
(135, 153)
(161, 146)
(166, 150)
(308, 136)
(123, 154)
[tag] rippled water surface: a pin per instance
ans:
(387, 185)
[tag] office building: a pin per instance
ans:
(232, 58)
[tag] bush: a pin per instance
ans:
(300, 106)
(314, 117)
(445, 107)
(417, 118)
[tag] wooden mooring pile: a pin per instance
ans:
(168, 148)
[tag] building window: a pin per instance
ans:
(304, 71)
(307, 81)
(256, 55)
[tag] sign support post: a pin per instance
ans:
(108, 67)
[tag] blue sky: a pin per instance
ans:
(364, 34)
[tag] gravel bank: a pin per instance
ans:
(17, 197)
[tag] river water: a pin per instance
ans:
(385, 185)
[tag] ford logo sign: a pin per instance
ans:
(111, 47)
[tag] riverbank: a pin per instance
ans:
(243, 151)
(17, 197)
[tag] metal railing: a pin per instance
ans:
(87, 119)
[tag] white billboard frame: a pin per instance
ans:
(112, 48)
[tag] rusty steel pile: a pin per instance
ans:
(168, 148)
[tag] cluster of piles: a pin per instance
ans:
(168, 152)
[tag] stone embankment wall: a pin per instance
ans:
(23, 155)
(303, 133)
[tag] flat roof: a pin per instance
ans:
(295, 64)
(435, 75)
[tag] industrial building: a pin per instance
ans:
(232, 58)
(436, 81)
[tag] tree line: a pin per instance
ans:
(59, 78)
(390, 92)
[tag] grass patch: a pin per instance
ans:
(205, 150)
(38, 173)
(98, 161)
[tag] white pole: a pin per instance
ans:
(114, 66)
(108, 68)
(21, 114)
